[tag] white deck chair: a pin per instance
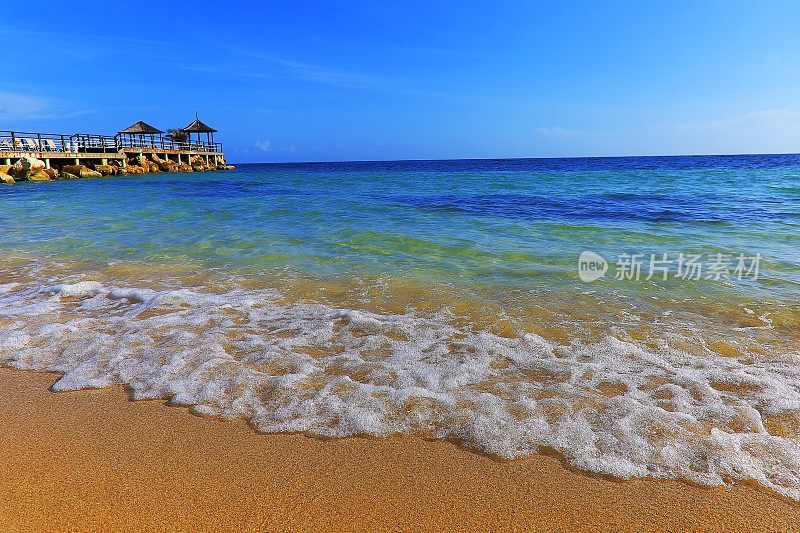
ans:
(30, 144)
(5, 146)
(48, 145)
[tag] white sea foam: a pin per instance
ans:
(613, 407)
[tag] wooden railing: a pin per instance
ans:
(165, 143)
(21, 141)
(30, 142)
(81, 142)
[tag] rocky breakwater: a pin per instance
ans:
(27, 169)
(143, 165)
(32, 169)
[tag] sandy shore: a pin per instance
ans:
(92, 460)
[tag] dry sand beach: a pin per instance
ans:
(93, 460)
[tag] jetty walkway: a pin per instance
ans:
(59, 150)
(138, 149)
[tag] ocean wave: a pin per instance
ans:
(614, 406)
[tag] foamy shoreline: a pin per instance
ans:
(611, 407)
(91, 460)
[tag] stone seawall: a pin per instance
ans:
(32, 169)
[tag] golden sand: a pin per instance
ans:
(92, 460)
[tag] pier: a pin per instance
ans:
(140, 148)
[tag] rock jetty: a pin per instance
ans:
(32, 169)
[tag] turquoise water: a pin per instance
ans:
(435, 297)
(518, 222)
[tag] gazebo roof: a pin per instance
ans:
(199, 126)
(141, 127)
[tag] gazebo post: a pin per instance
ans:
(199, 127)
(139, 131)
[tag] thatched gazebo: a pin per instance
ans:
(198, 127)
(139, 130)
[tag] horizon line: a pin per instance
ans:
(412, 160)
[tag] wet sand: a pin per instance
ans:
(93, 460)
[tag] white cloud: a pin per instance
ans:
(263, 145)
(282, 67)
(557, 131)
(20, 106)
(780, 119)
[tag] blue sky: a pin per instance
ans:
(297, 81)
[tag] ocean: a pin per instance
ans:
(635, 316)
